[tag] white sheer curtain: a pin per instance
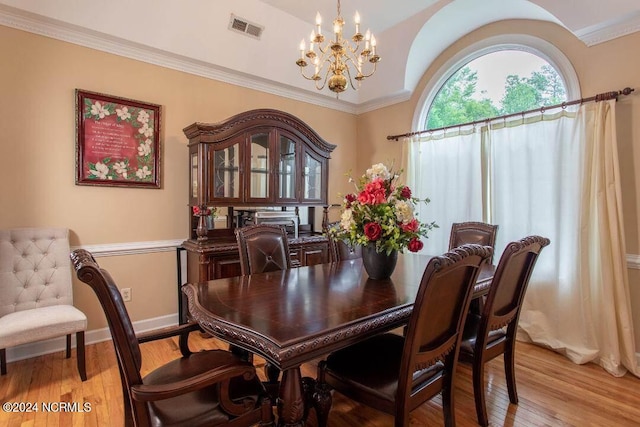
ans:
(555, 176)
(447, 170)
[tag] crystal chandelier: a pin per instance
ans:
(338, 55)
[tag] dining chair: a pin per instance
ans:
(338, 249)
(396, 374)
(262, 248)
(212, 387)
(36, 293)
(493, 333)
(479, 233)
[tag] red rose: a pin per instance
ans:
(372, 230)
(349, 198)
(196, 210)
(410, 227)
(374, 193)
(405, 193)
(415, 245)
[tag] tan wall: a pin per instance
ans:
(38, 77)
(613, 65)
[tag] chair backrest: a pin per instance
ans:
(509, 285)
(34, 269)
(263, 248)
(435, 327)
(479, 233)
(339, 250)
(122, 332)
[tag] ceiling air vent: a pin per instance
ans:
(245, 27)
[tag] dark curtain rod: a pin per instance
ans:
(600, 97)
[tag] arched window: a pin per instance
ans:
(480, 82)
(495, 84)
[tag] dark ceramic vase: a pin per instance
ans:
(379, 266)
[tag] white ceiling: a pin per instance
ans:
(193, 35)
(378, 15)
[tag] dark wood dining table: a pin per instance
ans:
(293, 316)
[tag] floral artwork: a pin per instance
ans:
(118, 141)
(381, 212)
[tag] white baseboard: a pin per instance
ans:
(53, 345)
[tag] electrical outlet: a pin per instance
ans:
(126, 294)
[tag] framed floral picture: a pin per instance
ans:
(117, 141)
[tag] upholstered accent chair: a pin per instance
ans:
(263, 248)
(36, 296)
(493, 333)
(205, 388)
(479, 233)
(396, 374)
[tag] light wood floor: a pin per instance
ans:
(552, 391)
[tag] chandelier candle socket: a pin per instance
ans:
(333, 60)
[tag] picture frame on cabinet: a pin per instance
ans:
(117, 141)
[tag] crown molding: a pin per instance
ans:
(609, 30)
(386, 101)
(58, 30)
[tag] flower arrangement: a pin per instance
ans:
(204, 211)
(381, 212)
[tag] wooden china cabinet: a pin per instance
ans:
(259, 159)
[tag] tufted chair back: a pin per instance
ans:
(36, 296)
(263, 248)
(35, 270)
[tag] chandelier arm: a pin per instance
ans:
(375, 65)
(350, 79)
(324, 81)
(303, 75)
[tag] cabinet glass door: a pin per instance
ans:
(259, 164)
(312, 186)
(226, 173)
(286, 168)
(194, 176)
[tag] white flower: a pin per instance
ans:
(378, 171)
(101, 170)
(123, 113)
(404, 211)
(143, 116)
(121, 168)
(146, 130)
(143, 173)
(99, 110)
(144, 149)
(346, 219)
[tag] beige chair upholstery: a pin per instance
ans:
(36, 298)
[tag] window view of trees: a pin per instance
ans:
(457, 101)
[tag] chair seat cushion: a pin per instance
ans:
(373, 367)
(41, 323)
(201, 407)
(469, 336)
